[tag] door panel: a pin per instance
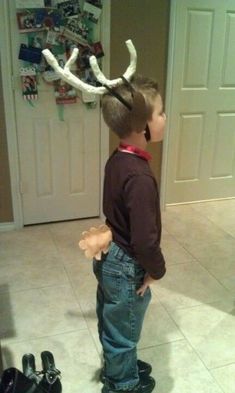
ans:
(189, 151)
(59, 166)
(59, 159)
(201, 150)
(197, 46)
(228, 67)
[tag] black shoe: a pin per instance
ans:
(13, 380)
(146, 385)
(144, 369)
(51, 375)
(29, 367)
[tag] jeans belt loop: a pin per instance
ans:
(120, 254)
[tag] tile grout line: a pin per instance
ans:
(193, 349)
(197, 260)
(225, 365)
(186, 340)
(74, 293)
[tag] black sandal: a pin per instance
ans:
(29, 367)
(51, 375)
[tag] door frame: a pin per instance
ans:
(10, 110)
(168, 103)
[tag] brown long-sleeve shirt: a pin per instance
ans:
(132, 209)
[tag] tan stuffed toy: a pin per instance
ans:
(96, 241)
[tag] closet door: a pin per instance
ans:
(59, 152)
(201, 136)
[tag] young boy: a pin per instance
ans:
(134, 261)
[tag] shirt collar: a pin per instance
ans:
(135, 150)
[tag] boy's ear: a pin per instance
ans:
(138, 112)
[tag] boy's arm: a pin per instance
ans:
(141, 197)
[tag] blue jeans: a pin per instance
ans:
(120, 313)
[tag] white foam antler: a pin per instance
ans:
(128, 73)
(76, 82)
(68, 76)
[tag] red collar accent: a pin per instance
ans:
(135, 150)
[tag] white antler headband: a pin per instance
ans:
(73, 80)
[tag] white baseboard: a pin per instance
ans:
(199, 201)
(7, 226)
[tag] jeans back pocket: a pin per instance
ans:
(109, 276)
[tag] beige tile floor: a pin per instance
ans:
(47, 301)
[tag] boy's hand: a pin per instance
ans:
(147, 281)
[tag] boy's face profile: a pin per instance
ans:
(157, 123)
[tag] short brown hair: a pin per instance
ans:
(118, 117)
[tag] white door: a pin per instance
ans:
(59, 160)
(200, 145)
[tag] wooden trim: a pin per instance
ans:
(1, 360)
(200, 201)
(165, 156)
(7, 226)
(104, 131)
(6, 64)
